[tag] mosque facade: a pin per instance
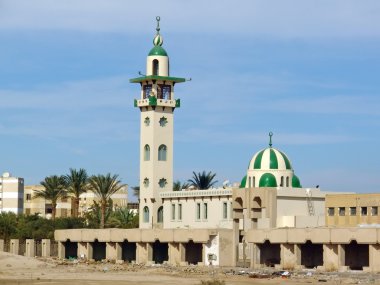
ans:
(270, 220)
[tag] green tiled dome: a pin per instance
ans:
(243, 182)
(270, 158)
(296, 182)
(158, 50)
(268, 180)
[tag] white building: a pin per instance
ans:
(11, 193)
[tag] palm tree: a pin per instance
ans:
(104, 186)
(203, 181)
(54, 190)
(76, 182)
(178, 186)
(122, 218)
(136, 191)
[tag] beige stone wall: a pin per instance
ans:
(198, 209)
(344, 210)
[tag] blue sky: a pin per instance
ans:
(306, 70)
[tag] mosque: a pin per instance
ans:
(270, 220)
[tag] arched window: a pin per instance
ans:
(146, 214)
(155, 67)
(287, 181)
(282, 181)
(162, 152)
(160, 215)
(249, 182)
(146, 152)
(253, 181)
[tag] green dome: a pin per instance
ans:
(296, 182)
(270, 158)
(268, 180)
(243, 182)
(158, 50)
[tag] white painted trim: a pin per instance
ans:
(11, 195)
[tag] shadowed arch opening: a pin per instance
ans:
(155, 67)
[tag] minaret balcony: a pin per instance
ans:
(153, 101)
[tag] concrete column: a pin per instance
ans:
(374, 257)
(182, 250)
(90, 251)
(46, 243)
(235, 242)
(288, 257)
(297, 254)
(255, 256)
(341, 256)
(330, 257)
(1, 245)
(174, 253)
(113, 251)
(14, 247)
(61, 250)
(30, 248)
(82, 250)
(141, 252)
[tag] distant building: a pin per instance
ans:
(11, 193)
(351, 210)
(43, 207)
(64, 207)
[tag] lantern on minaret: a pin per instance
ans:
(157, 104)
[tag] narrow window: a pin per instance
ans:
(364, 211)
(330, 211)
(352, 211)
(205, 211)
(287, 181)
(342, 211)
(28, 197)
(147, 91)
(160, 215)
(249, 182)
(173, 211)
(253, 182)
(225, 210)
(374, 211)
(147, 121)
(166, 92)
(162, 152)
(282, 181)
(180, 212)
(146, 214)
(231, 210)
(146, 152)
(198, 211)
(155, 67)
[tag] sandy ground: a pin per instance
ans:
(15, 269)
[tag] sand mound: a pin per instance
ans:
(10, 261)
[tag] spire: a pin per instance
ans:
(158, 40)
(270, 139)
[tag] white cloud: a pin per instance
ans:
(284, 19)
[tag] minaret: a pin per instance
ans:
(157, 104)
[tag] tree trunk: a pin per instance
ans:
(102, 214)
(54, 207)
(76, 207)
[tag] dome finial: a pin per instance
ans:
(158, 41)
(158, 25)
(270, 139)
